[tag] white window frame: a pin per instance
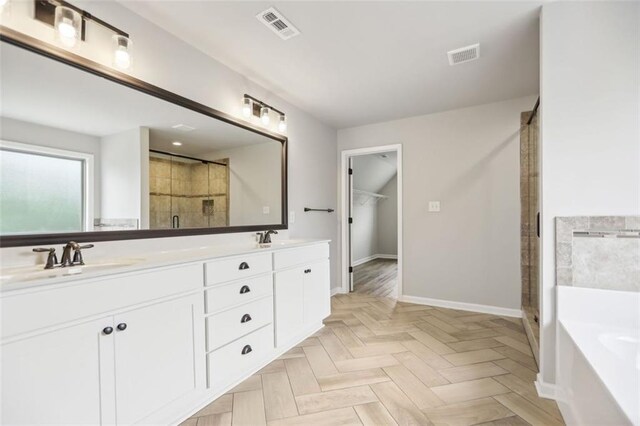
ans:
(87, 171)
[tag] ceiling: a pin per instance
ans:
(39, 90)
(373, 171)
(367, 61)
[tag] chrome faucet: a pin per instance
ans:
(265, 237)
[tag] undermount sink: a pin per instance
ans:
(37, 272)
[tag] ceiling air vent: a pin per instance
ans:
(464, 54)
(278, 23)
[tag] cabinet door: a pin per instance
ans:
(288, 296)
(317, 292)
(54, 378)
(155, 356)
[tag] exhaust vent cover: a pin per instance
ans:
(277, 23)
(464, 54)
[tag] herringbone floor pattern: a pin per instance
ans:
(383, 362)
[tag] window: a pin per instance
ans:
(42, 190)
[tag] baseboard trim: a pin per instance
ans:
(374, 257)
(545, 390)
(472, 307)
(336, 290)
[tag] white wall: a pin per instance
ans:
(125, 176)
(36, 134)
(590, 141)
(364, 232)
(387, 225)
(254, 182)
(166, 61)
(468, 159)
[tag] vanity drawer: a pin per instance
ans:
(227, 295)
(237, 358)
(297, 256)
(229, 325)
(238, 267)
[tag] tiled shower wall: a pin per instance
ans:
(196, 192)
(598, 252)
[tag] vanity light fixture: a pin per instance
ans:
(70, 22)
(246, 107)
(264, 115)
(122, 51)
(282, 124)
(68, 25)
(257, 108)
(3, 5)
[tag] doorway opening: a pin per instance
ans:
(372, 217)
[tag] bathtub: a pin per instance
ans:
(598, 356)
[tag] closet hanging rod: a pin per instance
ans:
(371, 194)
(307, 209)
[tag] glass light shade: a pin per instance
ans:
(246, 107)
(282, 124)
(122, 51)
(264, 115)
(68, 25)
(4, 6)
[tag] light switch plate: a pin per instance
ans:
(265, 210)
(292, 216)
(434, 206)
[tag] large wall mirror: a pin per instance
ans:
(93, 158)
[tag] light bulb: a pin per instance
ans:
(3, 5)
(67, 24)
(246, 107)
(282, 124)
(264, 115)
(122, 51)
(176, 143)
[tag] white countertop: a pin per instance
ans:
(18, 279)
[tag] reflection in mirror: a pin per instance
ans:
(82, 153)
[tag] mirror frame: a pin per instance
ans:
(8, 35)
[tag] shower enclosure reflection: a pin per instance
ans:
(187, 192)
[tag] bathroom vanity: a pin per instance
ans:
(154, 340)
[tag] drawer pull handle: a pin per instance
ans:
(244, 289)
(245, 318)
(122, 326)
(246, 349)
(243, 266)
(307, 271)
(107, 330)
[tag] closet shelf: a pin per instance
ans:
(366, 196)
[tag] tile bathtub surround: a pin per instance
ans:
(608, 261)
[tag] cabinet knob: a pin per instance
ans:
(244, 289)
(243, 266)
(107, 330)
(122, 326)
(245, 318)
(307, 271)
(246, 349)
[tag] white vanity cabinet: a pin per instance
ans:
(138, 358)
(154, 345)
(301, 292)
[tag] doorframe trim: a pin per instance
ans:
(344, 220)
